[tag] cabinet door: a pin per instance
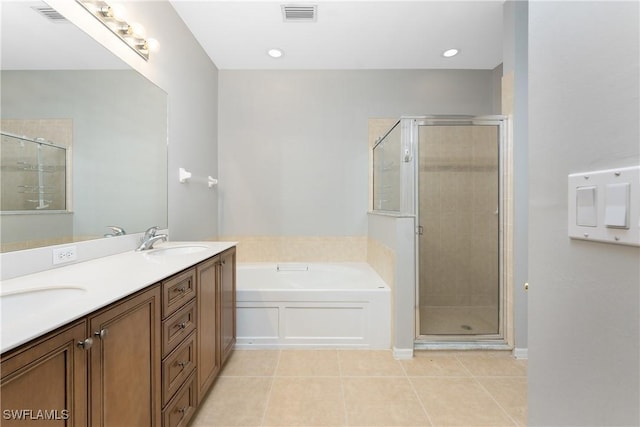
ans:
(46, 382)
(227, 303)
(125, 363)
(208, 361)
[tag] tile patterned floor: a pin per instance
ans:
(367, 388)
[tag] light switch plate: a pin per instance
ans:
(615, 216)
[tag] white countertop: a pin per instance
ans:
(102, 281)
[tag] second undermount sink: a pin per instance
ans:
(21, 301)
(177, 250)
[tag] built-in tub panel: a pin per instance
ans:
(337, 309)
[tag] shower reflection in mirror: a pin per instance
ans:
(33, 175)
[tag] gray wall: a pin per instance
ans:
(515, 60)
(293, 144)
(584, 322)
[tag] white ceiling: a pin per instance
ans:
(348, 34)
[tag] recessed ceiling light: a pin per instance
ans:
(275, 53)
(450, 52)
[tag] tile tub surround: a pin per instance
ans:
(367, 388)
(300, 248)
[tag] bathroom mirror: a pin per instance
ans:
(59, 84)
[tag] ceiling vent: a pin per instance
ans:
(50, 13)
(299, 13)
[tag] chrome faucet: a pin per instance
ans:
(117, 231)
(149, 238)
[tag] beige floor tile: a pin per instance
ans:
(366, 388)
(305, 413)
(235, 401)
(389, 413)
(510, 393)
(306, 401)
(378, 389)
(434, 364)
(451, 401)
(306, 388)
(485, 364)
(368, 363)
(251, 363)
(323, 363)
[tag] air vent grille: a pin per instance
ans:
(299, 13)
(51, 14)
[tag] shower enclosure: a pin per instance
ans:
(447, 172)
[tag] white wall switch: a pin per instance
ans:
(616, 205)
(604, 206)
(586, 212)
(65, 254)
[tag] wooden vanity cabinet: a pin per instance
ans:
(146, 360)
(216, 284)
(179, 361)
(47, 375)
(208, 353)
(227, 279)
(124, 369)
(103, 370)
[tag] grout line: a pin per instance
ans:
(515, 423)
(415, 393)
(344, 396)
(476, 378)
(273, 380)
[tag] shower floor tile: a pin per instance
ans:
(466, 320)
(367, 388)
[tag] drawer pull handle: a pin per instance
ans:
(182, 325)
(85, 344)
(181, 289)
(183, 410)
(182, 364)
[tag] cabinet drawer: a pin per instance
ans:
(177, 367)
(182, 406)
(177, 290)
(177, 327)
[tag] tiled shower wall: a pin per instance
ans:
(459, 213)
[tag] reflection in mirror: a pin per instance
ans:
(33, 174)
(110, 119)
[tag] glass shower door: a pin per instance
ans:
(459, 237)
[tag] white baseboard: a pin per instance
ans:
(402, 353)
(521, 353)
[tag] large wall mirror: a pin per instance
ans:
(61, 88)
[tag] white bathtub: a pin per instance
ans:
(312, 305)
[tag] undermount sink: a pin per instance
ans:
(21, 301)
(177, 250)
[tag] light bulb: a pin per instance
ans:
(275, 53)
(450, 53)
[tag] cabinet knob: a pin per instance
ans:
(181, 289)
(182, 325)
(183, 409)
(86, 344)
(182, 364)
(102, 333)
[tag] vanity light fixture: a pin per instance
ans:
(113, 17)
(449, 53)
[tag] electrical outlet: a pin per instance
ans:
(64, 254)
